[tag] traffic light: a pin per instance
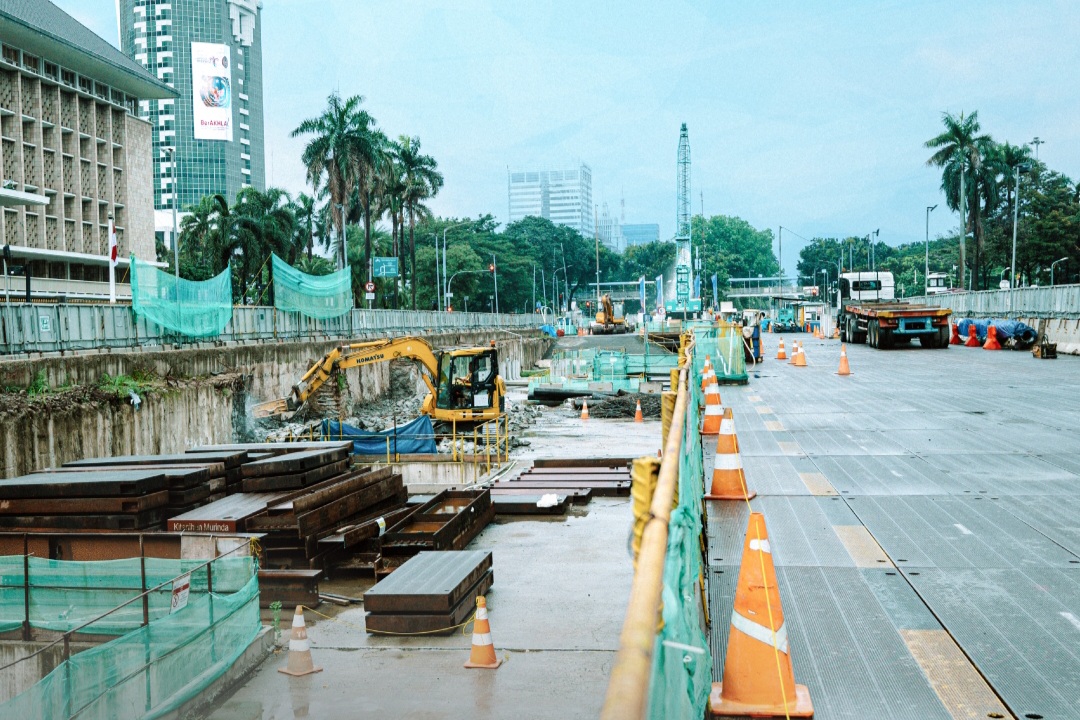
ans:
(491, 267)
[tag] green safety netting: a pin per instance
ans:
(316, 296)
(724, 345)
(189, 307)
(148, 670)
(682, 663)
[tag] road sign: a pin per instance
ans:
(449, 294)
(385, 266)
(369, 287)
(181, 588)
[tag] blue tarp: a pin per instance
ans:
(548, 330)
(415, 437)
(1006, 329)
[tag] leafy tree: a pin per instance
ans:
(340, 157)
(306, 214)
(422, 181)
(649, 260)
(959, 152)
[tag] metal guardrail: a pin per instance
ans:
(27, 328)
(1060, 301)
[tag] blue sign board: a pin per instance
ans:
(384, 267)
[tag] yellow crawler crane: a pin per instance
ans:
(464, 385)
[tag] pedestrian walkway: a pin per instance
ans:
(922, 519)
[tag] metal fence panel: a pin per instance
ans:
(56, 327)
(1060, 301)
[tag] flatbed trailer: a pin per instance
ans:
(883, 325)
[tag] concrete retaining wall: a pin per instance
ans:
(208, 400)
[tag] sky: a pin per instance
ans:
(806, 114)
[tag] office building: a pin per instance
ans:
(562, 196)
(609, 230)
(639, 234)
(74, 155)
(210, 51)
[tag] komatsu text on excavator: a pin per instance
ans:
(463, 384)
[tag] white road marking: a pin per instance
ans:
(962, 529)
(1072, 619)
(896, 474)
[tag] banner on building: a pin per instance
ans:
(659, 291)
(211, 81)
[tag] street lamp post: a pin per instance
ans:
(929, 209)
(448, 227)
(495, 271)
(1052, 269)
(171, 152)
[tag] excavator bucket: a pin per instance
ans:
(272, 408)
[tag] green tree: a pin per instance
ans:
(422, 182)
(340, 157)
(959, 153)
(306, 215)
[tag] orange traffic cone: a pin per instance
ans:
(781, 354)
(728, 479)
(638, 417)
(973, 340)
(955, 339)
(584, 409)
(991, 339)
(800, 359)
(794, 352)
(845, 369)
(758, 678)
(836, 333)
(707, 372)
(714, 409)
(299, 649)
(483, 652)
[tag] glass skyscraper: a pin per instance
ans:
(562, 196)
(210, 51)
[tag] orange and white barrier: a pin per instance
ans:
(714, 409)
(300, 662)
(728, 479)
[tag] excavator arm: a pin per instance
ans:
(350, 356)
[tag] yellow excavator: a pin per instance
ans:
(464, 385)
(607, 321)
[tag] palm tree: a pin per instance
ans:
(959, 153)
(422, 182)
(339, 155)
(306, 214)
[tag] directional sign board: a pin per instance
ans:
(385, 266)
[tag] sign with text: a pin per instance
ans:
(181, 588)
(385, 267)
(211, 83)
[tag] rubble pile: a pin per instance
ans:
(621, 406)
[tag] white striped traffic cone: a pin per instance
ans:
(483, 651)
(714, 409)
(728, 479)
(299, 649)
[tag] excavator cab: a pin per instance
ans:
(467, 380)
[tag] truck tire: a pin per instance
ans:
(929, 341)
(885, 339)
(872, 333)
(843, 332)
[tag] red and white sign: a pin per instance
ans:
(181, 588)
(369, 287)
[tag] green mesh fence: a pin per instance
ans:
(148, 670)
(189, 307)
(682, 663)
(316, 296)
(724, 345)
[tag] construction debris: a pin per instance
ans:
(620, 406)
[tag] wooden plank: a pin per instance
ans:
(370, 527)
(290, 587)
(84, 506)
(599, 488)
(294, 462)
(431, 623)
(96, 483)
(448, 522)
(430, 582)
(582, 462)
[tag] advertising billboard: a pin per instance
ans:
(211, 82)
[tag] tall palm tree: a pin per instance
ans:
(422, 182)
(306, 216)
(959, 154)
(337, 156)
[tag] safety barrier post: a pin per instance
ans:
(26, 587)
(210, 604)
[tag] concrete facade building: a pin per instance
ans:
(640, 233)
(609, 230)
(562, 196)
(210, 51)
(73, 153)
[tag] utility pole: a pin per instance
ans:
(963, 227)
(596, 237)
(438, 276)
(929, 209)
(171, 152)
(495, 270)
